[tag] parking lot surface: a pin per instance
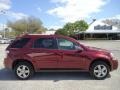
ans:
(63, 80)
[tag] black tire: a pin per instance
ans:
(97, 73)
(28, 70)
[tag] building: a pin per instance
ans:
(99, 30)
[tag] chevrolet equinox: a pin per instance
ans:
(31, 53)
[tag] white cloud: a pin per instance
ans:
(55, 27)
(16, 15)
(113, 17)
(72, 10)
(58, 1)
(39, 9)
(116, 17)
(5, 4)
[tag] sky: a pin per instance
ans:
(55, 13)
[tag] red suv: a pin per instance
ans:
(32, 53)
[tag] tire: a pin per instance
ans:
(23, 70)
(99, 70)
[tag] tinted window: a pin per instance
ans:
(20, 43)
(48, 43)
(65, 44)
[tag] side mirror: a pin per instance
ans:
(78, 48)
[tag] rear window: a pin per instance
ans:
(20, 43)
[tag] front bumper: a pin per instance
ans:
(114, 65)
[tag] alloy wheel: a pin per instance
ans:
(100, 71)
(23, 71)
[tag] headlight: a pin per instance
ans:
(112, 55)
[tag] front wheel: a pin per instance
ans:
(23, 70)
(99, 70)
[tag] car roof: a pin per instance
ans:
(46, 36)
(41, 35)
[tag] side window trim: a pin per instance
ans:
(75, 44)
(54, 41)
(64, 39)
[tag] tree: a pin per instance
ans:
(69, 28)
(27, 25)
(80, 26)
(113, 22)
(73, 28)
(61, 32)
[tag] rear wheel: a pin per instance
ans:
(23, 70)
(99, 70)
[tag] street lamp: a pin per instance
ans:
(93, 20)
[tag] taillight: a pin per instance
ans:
(6, 53)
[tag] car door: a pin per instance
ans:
(43, 52)
(71, 57)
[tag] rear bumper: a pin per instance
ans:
(114, 65)
(8, 63)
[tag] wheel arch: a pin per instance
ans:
(21, 60)
(103, 60)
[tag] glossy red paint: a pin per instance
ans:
(60, 59)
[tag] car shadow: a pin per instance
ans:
(8, 75)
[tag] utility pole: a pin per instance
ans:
(4, 31)
(2, 12)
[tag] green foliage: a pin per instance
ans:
(61, 32)
(69, 28)
(80, 26)
(26, 25)
(73, 28)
